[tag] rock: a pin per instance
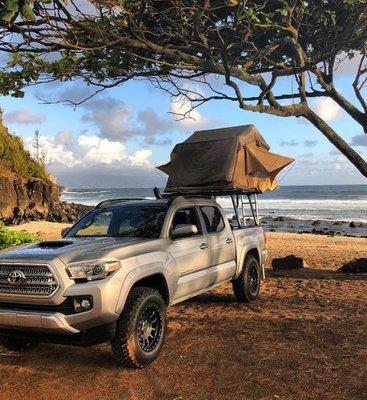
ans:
(316, 223)
(288, 262)
(352, 224)
(356, 266)
(279, 219)
(8, 197)
(337, 223)
(32, 199)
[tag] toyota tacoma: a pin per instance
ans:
(112, 275)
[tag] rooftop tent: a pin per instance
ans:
(227, 159)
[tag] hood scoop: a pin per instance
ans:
(54, 244)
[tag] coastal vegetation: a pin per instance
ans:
(9, 238)
(16, 160)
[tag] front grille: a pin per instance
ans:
(28, 280)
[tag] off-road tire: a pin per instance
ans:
(246, 287)
(129, 341)
(15, 344)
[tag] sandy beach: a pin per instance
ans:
(305, 338)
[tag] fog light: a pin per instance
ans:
(83, 303)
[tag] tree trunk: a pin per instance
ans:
(337, 141)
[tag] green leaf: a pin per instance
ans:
(12, 5)
(7, 16)
(27, 13)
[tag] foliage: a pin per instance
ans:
(9, 238)
(11, 9)
(248, 46)
(14, 158)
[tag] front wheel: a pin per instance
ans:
(246, 287)
(140, 329)
(15, 344)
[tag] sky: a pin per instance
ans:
(117, 138)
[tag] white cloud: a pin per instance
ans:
(116, 121)
(110, 115)
(325, 170)
(183, 108)
(141, 157)
(101, 151)
(25, 116)
(64, 137)
(359, 140)
(327, 109)
(95, 161)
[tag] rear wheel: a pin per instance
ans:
(140, 329)
(246, 287)
(15, 344)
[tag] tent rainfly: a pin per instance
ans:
(223, 160)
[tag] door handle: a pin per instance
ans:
(229, 241)
(204, 246)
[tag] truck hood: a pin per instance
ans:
(68, 249)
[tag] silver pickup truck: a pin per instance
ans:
(114, 273)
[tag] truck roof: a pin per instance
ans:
(164, 201)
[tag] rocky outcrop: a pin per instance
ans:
(34, 199)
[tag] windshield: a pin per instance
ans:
(130, 220)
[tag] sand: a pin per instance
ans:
(305, 338)
(45, 229)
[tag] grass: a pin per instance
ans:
(9, 238)
(15, 159)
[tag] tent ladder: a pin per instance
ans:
(236, 210)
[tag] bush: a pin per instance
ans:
(9, 238)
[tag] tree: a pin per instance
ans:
(40, 154)
(249, 47)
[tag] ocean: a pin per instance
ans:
(305, 203)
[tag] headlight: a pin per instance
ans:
(93, 270)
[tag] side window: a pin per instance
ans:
(185, 216)
(213, 219)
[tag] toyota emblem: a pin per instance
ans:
(16, 277)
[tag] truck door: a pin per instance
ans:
(191, 254)
(222, 248)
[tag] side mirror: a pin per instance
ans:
(184, 230)
(65, 230)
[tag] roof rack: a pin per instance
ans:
(206, 194)
(110, 202)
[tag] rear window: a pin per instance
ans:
(213, 219)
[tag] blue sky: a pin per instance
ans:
(117, 138)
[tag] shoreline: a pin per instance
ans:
(315, 226)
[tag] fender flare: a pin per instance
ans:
(142, 272)
(244, 254)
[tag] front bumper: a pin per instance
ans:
(50, 322)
